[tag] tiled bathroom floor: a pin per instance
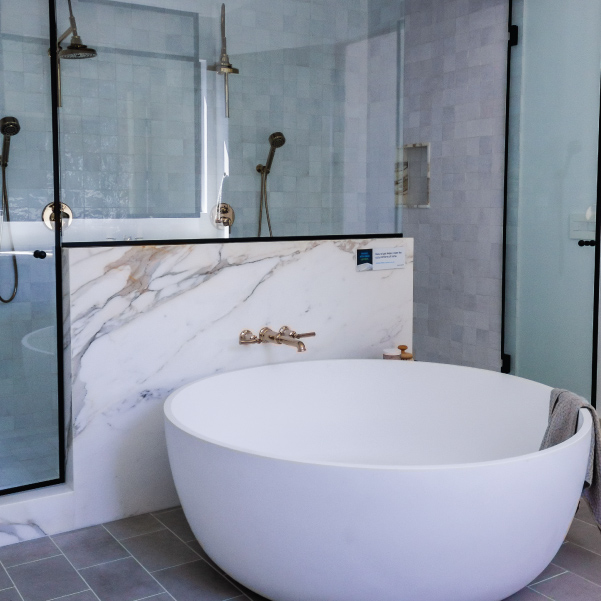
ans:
(155, 557)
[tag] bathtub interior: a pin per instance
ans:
(367, 412)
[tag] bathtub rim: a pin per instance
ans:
(585, 425)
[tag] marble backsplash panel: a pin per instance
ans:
(145, 320)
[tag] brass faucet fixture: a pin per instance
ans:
(284, 336)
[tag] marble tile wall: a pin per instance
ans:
(455, 78)
(144, 320)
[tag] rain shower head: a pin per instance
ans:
(77, 50)
(9, 126)
(276, 140)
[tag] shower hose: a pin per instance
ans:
(264, 202)
(6, 217)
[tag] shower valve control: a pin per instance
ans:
(223, 215)
(49, 218)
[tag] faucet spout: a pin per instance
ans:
(284, 336)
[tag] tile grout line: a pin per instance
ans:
(584, 578)
(587, 522)
(137, 535)
(70, 594)
(549, 578)
(33, 560)
(149, 573)
(581, 547)
(151, 596)
(539, 593)
(103, 563)
(185, 563)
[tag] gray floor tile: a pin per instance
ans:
(10, 594)
(134, 526)
(5, 581)
(584, 512)
(195, 581)
(176, 521)
(580, 561)
(30, 550)
(254, 596)
(586, 535)
(159, 550)
(89, 546)
(46, 579)
(526, 594)
(548, 572)
(196, 546)
(121, 580)
(569, 587)
(250, 594)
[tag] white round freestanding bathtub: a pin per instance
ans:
(358, 480)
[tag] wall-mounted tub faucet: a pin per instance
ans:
(284, 336)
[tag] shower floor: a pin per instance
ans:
(155, 557)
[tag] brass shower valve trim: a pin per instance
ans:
(284, 336)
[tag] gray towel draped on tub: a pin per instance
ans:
(563, 421)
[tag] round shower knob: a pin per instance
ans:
(49, 218)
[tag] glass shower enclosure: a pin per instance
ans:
(31, 435)
(552, 193)
(150, 146)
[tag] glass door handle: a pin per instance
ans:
(587, 243)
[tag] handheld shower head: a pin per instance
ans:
(9, 126)
(276, 140)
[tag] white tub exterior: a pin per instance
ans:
(356, 480)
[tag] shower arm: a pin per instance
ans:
(72, 26)
(72, 30)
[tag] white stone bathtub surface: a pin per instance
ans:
(356, 480)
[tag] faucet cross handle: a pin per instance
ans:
(247, 337)
(286, 331)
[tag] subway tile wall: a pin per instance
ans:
(304, 69)
(130, 120)
(455, 77)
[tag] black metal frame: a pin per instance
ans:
(505, 358)
(199, 241)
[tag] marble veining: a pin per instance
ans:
(145, 320)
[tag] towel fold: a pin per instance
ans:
(563, 422)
